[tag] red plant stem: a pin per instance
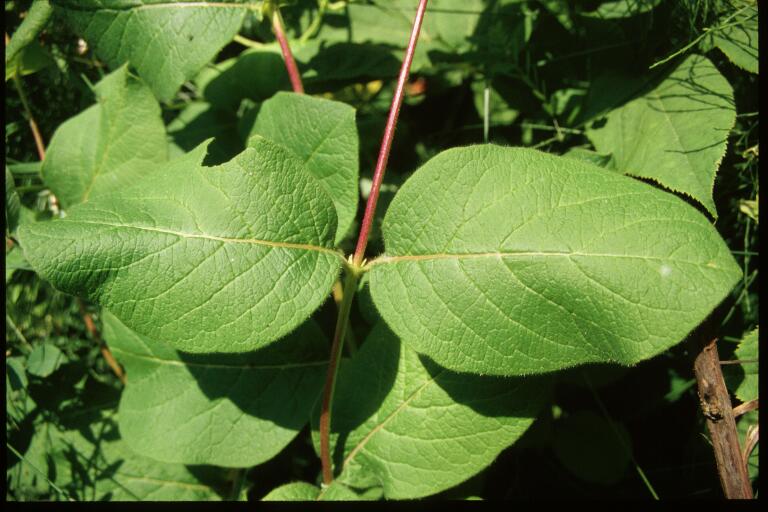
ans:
(389, 133)
(290, 63)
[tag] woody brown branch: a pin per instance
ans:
(720, 419)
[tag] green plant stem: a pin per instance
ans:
(250, 43)
(342, 321)
(312, 29)
(290, 62)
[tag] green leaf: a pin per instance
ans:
(225, 84)
(209, 259)
(247, 407)
(323, 134)
(742, 379)
(44, 360)
(15, 374)
(303, 491)
(592, 448)
(677, 133)
(12, 204)
(90, 463)
(110, 145)
(737, 38)
(166, 41)
(617, 9)
(34, 22)
(511, 261)
(448, 28)
(32, 59)
(402, 422)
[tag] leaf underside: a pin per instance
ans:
(511, 261)
(167, 42)
(247, 407)
(404, 423)
(211, 259)
(110, 145)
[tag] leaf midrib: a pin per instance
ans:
(525, 254)
(163, 5)
(206, 236)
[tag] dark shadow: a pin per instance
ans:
(193, 127)
(279, 383)
(493, 396)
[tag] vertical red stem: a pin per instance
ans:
(389, 133)
(350, 284)
(290, 63)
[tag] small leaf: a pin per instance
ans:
(303, 491)
(166, 42)
(247, 407)
(14, 371)
(44, 360)
(208, 259)
(33, 23)
(12, 204)
(511, 261)
(323, 134)
(737, 38)
(592, 448)
(415, 428)
(110, 145)
(742, 379)
(677, 133)
(32, 59)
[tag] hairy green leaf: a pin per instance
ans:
(511, 261)
(247, 407)
(737, 38)
(209, 259)
(675, 134)
(402, 422)
(323, 134)
(166, 41)
(110, 145)
(303, 491)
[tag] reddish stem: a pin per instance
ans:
(290, 63)
(389, 133)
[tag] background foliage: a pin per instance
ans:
(556, 73)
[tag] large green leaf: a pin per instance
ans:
(209, 259)
(512, 261)
(167, 41)
(324, 135)
(737, 38)
(677, 133)
(402, 422)
(110, 145)
(247, 407)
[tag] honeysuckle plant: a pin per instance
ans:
(502, 266)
